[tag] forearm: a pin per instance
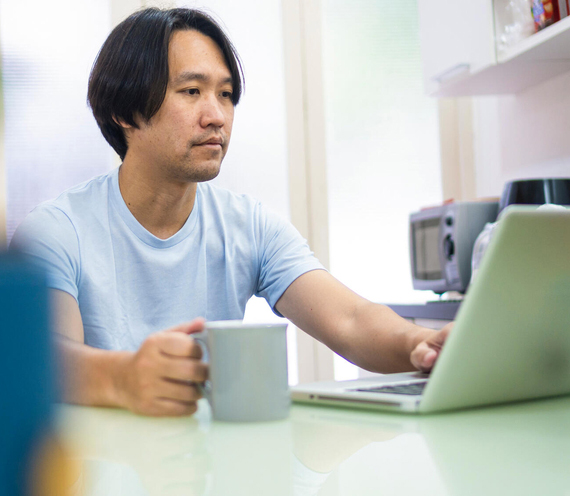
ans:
(368, 334)
(90, 375)
(377, 339)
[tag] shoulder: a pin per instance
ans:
(58, 218)
(45, 221)
(83, 196)
(212, 194)
(239, 211)
(224, 205)
(241, 216)
(49, 239)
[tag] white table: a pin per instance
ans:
(521, 449)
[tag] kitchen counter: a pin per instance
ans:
(435, 310)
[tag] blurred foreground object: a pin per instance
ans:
(31, 462)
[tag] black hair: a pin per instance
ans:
(130, 74)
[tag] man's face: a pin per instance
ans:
(188, 137)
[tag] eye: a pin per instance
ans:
(193, 91)
(227, 94)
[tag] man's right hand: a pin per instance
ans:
(160, 378)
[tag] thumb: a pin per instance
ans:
(196, 325)
(423, 357)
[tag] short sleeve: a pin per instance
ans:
(284, 255)
(48, 238)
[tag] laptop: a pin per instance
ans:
(511, 339)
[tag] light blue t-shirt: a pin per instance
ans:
(129, 283)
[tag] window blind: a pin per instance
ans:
(51, 140)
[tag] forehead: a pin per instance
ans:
(190, 51)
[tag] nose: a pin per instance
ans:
(212, 113)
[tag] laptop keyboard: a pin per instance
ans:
(413, 388)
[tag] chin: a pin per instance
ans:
(203, 175)
(196, 169)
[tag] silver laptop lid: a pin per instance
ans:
(511, 339)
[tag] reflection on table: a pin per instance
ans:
(515, 449)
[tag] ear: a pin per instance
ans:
(122, 123)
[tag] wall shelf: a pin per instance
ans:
(536, 59)
(552, 43)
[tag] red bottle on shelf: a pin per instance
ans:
(545, 13)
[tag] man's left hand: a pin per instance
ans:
(425, 354)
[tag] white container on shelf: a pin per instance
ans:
(513, 22)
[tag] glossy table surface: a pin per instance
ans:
(521, 449)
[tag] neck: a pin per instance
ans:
(160, 205)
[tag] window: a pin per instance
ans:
(382, 146)
(51, 140)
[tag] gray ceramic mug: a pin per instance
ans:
(248, 370)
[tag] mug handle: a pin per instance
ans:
(202, 339)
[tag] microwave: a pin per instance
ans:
(441, 244)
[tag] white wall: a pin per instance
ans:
(522, 136)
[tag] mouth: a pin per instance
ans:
(212, 143)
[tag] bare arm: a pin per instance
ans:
(155, 380)
(369, 335)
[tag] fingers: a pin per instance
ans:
(165, 407)
(423, 357)
(159, 378)
(184, 370)
(196, 325)
(178, 345)
(179, 391)
(445, 330)
(425, 354)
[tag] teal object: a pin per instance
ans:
(26, 373)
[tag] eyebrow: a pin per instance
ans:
(198, 76)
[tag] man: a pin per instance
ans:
(133, 253)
